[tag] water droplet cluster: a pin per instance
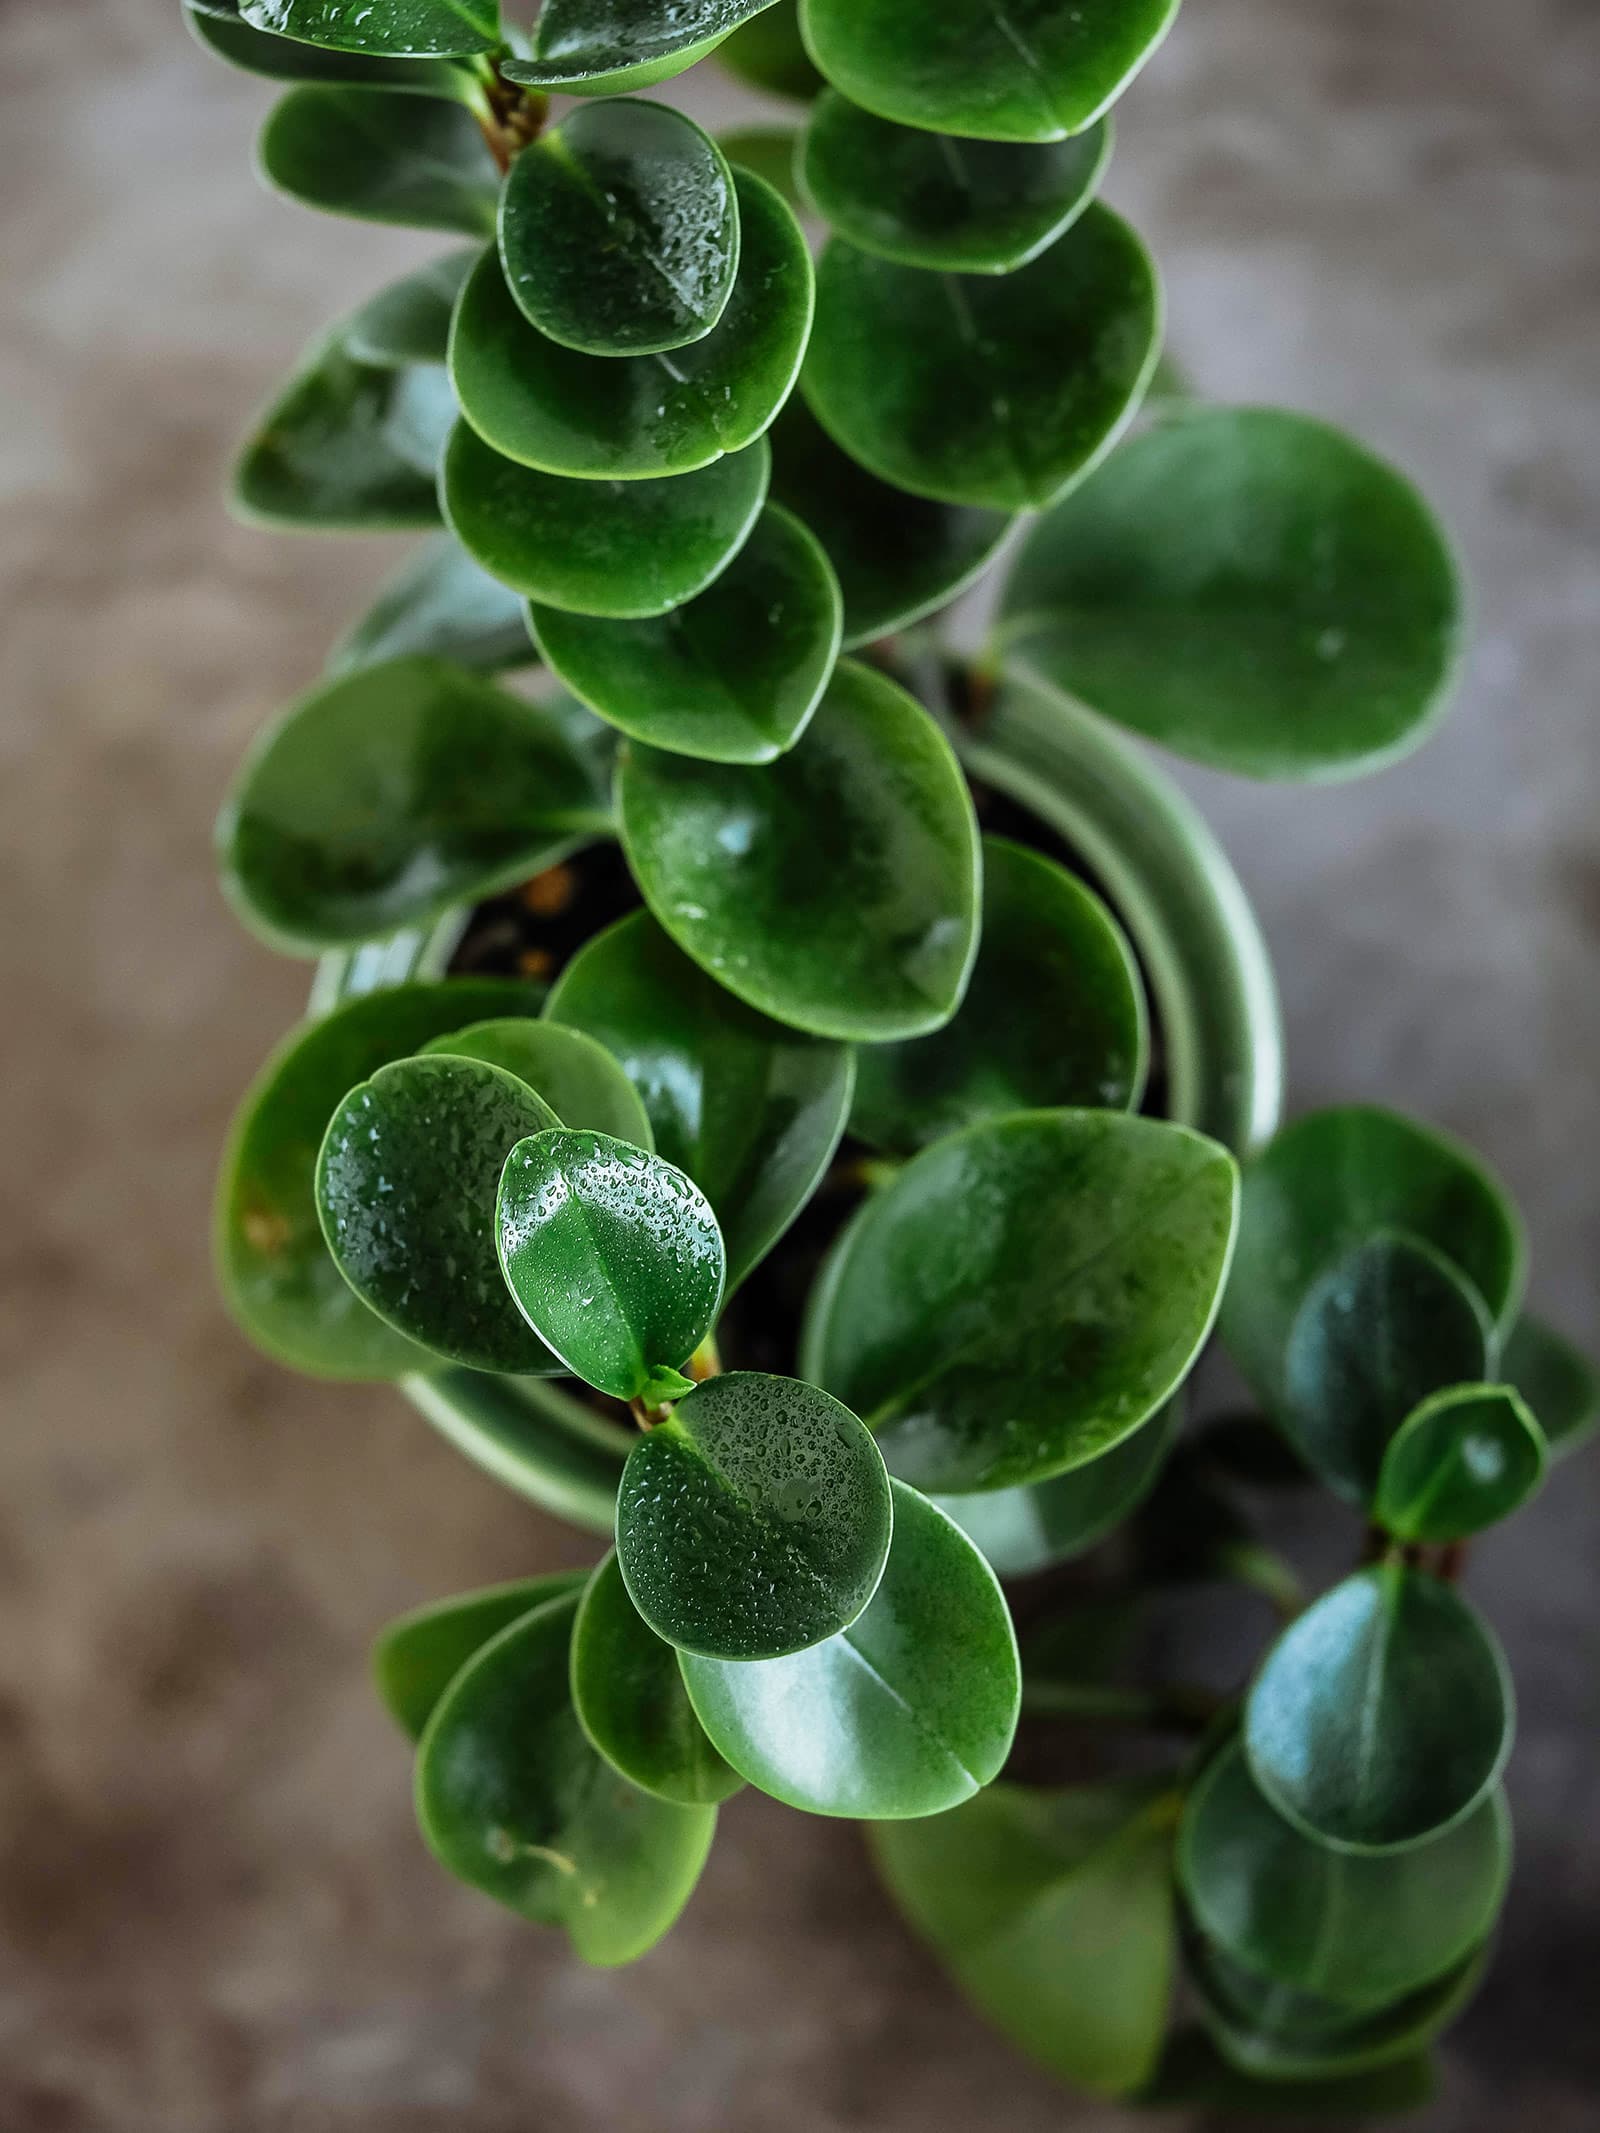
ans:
(757, 1521)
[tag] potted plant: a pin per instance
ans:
(796, 1095)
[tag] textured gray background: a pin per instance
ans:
(214, 1914)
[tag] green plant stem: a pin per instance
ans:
(511, 116)
(1266, 1572)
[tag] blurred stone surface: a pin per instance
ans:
(215, 1916)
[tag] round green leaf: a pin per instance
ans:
(1273, 2032)
(1025, 1294)
(409, 320)
(406, 1183)
(1024, 1530)
(897, 557)
(751, 1110)
(1000, 390)
(396, 29)
(613, 1256)
(627, 550)
(347, 446)
(957, 207)
(513, 1799)
(1385, 1325)
(631, 1701)
(531, 1437)
(277, 1276)
(390, 793)
(1053, 1913)
(909, 1711)
(1029, 71)
(1355, 1929)
(633, 417)
(1323, 1186)
(1250, 588)
(732, 676)
(755, 1520)
(835, 889)
(618, 230)
(1200, 947)
(767, 53)
(580, 1081)
(417, 1657)
(358, 151)
(600, 47)
(442, 605)
(1467, 1457)
(1194, 2076)
(1559, 1384)
(223, 31)
(1381, 1716)
(1054, 1016)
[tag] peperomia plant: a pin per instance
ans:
(794, 1097)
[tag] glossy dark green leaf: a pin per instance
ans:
(909, 1711)
(221, 30)
(1054, 1016)
(1210, 976)
(1381, 1716)
(406, 1183)
(1027, 1529)
(1329, 1181)
(1248, 587)
(999, 390)
(418, 1656)
(767, 53)
(622, 549)
(1280, 2034)
(409, 321)
(613, 1255)
(443, 605)
(578, 1078)
(361, 152)
(1388, 1323)
(835, 889)
(391, 793)
(619, 234)
(1559, 1383)
(957, 207)
(732, 676)
(277, 1276)
(1193, 2075)
(631, 417)
(347, 446)
(751, 1110)
(395, 28)
(1466, 1458)
(1362, 1930)
(1025, 1294)
(897, 557)
(755, 1520)
(514, 1800)
(1053, 1913)
(532, 1438)
(631, 1701)
(1029, 71)
(605, 47)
